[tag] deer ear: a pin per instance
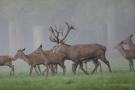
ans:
(131, 36)
(23, 49)
(41, 46)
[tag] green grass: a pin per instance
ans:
(121, 78)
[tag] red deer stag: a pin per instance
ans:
(7, 60)
(129, 42)
(32, 59)
(80, 52)
(49, 59)
(128, 54)
(85, 62)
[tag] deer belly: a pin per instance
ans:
(1, 64)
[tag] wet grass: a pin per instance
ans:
(121, 78)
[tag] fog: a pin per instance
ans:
(26, 23)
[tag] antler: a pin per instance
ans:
(52, 39)
(56, 39)
(69, 28)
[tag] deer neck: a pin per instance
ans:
(123, 51)
(131, 45)
(43, 55)
(25, 57)
(66, 51)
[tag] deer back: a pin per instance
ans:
(82, 51)
(5, 58)
(54, 57)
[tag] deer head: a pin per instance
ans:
(127, 40)
(119, 45)
(19, 54)
(58, 47)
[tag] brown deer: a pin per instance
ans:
(80, 52)
(86, 61)
(7, 60)
(128, 54)
(32, 59)
(129, 42)
(48, 60)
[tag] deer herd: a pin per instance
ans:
(79, 54)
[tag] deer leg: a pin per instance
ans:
(108, 64)
(74, 67)
(39, 68)
(81, 66)
(96, 65)
(78, 68)
(13, 69)
(86, 66)
(52, 70)
(36, 69)
(130, 64)
(103, 58)
(100, 66)
(31, 70)
(44, 70)
(133, 64)
(63, 67)
(47, 70)
(56, 67)
(11, 66)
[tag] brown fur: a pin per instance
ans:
(81, 52)
(50, 58)
(128, 54)
(32, 59)
(7, 60)
(129, 42)
(86, 61)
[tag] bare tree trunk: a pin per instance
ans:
(12, 38)
(15, 37)
(111, 29)
(18, 34)
(98, 33)
(37, 37)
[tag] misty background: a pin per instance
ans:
(25, 23)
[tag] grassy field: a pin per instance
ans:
(121, 78)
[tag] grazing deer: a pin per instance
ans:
(85, 62)
(32, 59)
(129, 42)
(7, 60)
(50, 59)
(80, 52)
(128, 54)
